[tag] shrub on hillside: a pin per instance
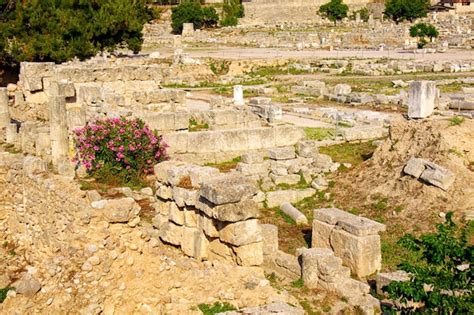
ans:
(401, 10)
(193, 12)
(423, 30)
(232, 11)
(120, 147)
(335, 10)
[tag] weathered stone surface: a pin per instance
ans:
(190, 217)
(414, 167)
(250, 254)
(231, 212)
(385, 278)
(321, 234)
(421, 99)
(200, 174)
(120, 210)
(322, 161)
(188, 241)
(279, 197)
(285, 153)
(294, 213)
(360, 253)
(158, 220)
(27, 285)
(164, 192)
(270, 239)
(292, 179)
(438, 176)
(309, 265)
(207, 225)
(329, 215)
(360, 226)
(253, 169)
(161, 169)
(342, 89)
(288, 262)
(277, 308)
(171, 233)
(306, 148)
(176, 214)
(221, 252)
(185, 197)
(241, 233)
(228, 189)
(252, 158)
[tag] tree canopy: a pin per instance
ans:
(192, 12)
(423, 30)
(335, 10)
(401, 10)
(59, 30)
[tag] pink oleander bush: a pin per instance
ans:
(118, 148)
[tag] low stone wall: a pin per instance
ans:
(220, 145)
(210, 216)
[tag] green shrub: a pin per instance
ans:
(445, 268)
(456, 121)
(186, 12)
(423, 30)
(364, 14)
(3, 293)
(209, 17)
(231, 12)
(216, 308)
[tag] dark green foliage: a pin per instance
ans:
(445, 267)
(4, 291)
(423, 30)
(216, 308)
(59, 30)
(364, 14)
(401, 10)
(335, 10)
(231, 12)
(192, 12)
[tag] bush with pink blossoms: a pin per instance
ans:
(119, 147)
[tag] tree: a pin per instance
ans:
(422, 30)
(442, 281)
(335, 10)
(231, 12)
(53, 30)
(401, 10)
(192, 12)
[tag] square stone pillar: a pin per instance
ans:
(421, 99)
(4, 112)
(239, 95)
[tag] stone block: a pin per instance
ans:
(199, 175)
(250, 254)
(228, 189)
(171, 233)
(207, 225)
(190, 217)
(221, 252)
(270, 239)
(342, 89)
(176, 215)
(194, 243)
(288, 262)
(306, 148)
(185, 197)
(438, 176)
(241, 233)
(321, 233)
(360, 253)
(285, 153)
(164, 192)
(414, 167)
(252, 158)
(253, 169)
(161, 169)
(294, 213)
(159, 220)
(291, 179)
(161, 207)
(360, 226)
(421, 99)
(309, 265)
(279, 197)
(329, 215)
(120, 210)
(231, 212)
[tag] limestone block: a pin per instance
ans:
(221, 252)
(291, 179)
(270, 239)
(33, 165)
(200, 174)
(273, 308)
(175, 214)
(288, 262)
(294, 213)
(287, 135)
(179, 175)
(321, 233)
(228, 188)
(27, 285)
(184, 197)
(4, 111)
(121, 210)
(306, 148)
(384, 279)
(250, 254)
(253, 169)
(239, 95)
(279, 197)
(285, 153)
(207, 225)
(437, 176)
(241, 233)
(190, 217)
(231, 212)
(360, 226)
(309, 265)
(161, 169)
(188, 241)
(363, 133)
(322, 161)
(171, 233)
(421, 99)
(414, 167)
(329, 215)
(159, 220)
(252, 158)
(360, 253)
(164, 192)
(342, 89)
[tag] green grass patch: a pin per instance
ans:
(218, 307)
(298, 283)
(354, 153)
(274, 71)
(456, 121)
(319, 134)
(285, 217)
(226, 166)
(195, 125)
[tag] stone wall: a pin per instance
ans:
(210, 216)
